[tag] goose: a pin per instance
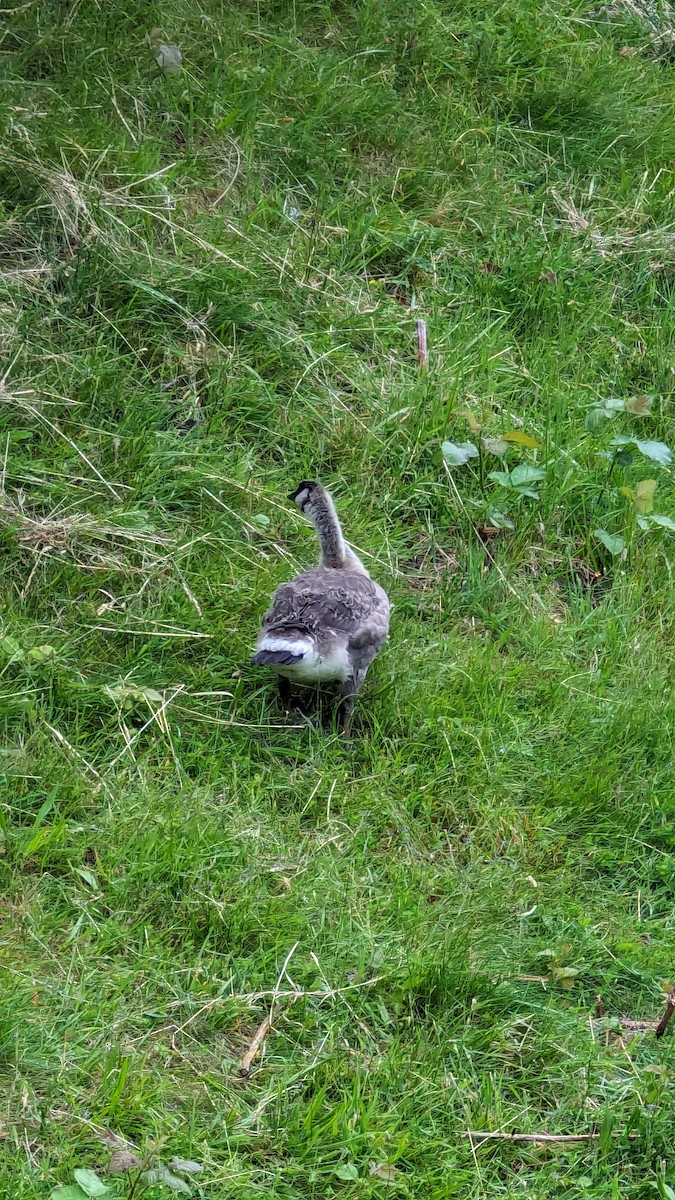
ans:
(328, 623)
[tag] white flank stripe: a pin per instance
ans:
(294, 646)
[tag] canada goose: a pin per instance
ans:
(328, 623)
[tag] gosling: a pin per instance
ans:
(329, 623)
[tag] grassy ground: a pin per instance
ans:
(210, 283)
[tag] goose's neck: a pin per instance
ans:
(335, 552)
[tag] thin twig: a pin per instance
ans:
(665, 1019)
(258, 1038)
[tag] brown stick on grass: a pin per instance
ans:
(665, 1019)
(258, 1038)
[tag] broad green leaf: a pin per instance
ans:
(627, 492)
(347, 1171)
(614, 542)
(502, 477)
(526, 473)
(11, 647)
(40, 654)
(643, 497)
(658, 452)
(456, 455)
(521, 439)
(664, 522)
(90, 1183)
(500, 519)
(70, 1192)
(261, 519)
(495, 445)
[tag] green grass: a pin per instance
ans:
(209, 289)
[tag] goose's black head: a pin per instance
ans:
(302, 496)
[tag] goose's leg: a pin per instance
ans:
(285, 691)
(349, 690)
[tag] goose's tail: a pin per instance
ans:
(283, 649)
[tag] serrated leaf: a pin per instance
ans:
(495, 445)
(595, 417)
(614, 542)
(383, 1171)
(186, 1166)
(664, 522)
(347, 1172)
(457, 454)
(638, 405)
(658, 452)
(163, 1175)
(90, 1183)
(643, 497)
(70, 1192)
(526, 473)
(521, 439)
(123, 1160)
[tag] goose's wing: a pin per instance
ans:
(343, 602)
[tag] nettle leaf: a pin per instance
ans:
(186, 1166)
(123, 1160)
(70, 1192)
(347, 1171)
(383, 1171)
(658, 452)
(603, 412)
(643, 496)
(90, 1183)
(495, 445)
(521, 439)
(638, 405)
(163, 1175)
(456, 455)
(614, 542)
